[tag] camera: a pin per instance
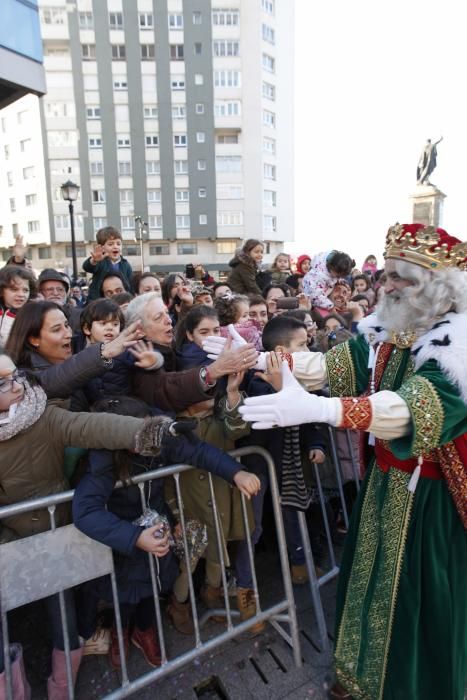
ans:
(190, 271)
(287, 303)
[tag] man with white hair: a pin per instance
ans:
(165, 388)
(401, 618)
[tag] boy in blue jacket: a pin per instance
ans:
(107, 257)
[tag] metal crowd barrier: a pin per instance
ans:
(49, 563)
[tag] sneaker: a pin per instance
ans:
(98, 644)
(114, 651)
(247, 606)
(147, 642)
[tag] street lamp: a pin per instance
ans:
(70, 193)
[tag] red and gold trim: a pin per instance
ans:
(453, 461)
(356, 413)
(289, 359)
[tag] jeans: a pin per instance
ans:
(55, 623)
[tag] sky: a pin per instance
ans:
(373, 81)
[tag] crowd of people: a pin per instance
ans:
(103, 381)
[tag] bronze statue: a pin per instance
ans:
(427, 162)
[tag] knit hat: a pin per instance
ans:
(49, 274)
(300, 260)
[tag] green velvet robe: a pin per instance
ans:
(401, 622)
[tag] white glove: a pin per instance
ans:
(290, 406)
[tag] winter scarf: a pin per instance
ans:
(294, 491)
(24, 414)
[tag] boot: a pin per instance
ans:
(247, 607)
(114, 651)
(180, 614)
(213, 598)
(57, 684)
(299, 574)
(19, 684)
(147, 642)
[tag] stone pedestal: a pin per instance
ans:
(427, 205)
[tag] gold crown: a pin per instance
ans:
(424, 247)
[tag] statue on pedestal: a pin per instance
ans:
(427, 162)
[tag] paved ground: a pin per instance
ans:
(261, 668)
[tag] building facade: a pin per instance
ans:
(178, 112)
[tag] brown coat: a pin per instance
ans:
(169, 391)
(242, 278)
(31, 463)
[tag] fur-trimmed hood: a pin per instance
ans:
(446, 343)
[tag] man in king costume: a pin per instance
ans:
(401, 601)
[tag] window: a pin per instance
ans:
(14, 230)
(96, 167)
(98, 196)
(6, 150)
(155, 222)
(178, 112)
(268, 6)
(181, 167)
(93, 112)
(80, 251)
(31, 200)
(269, 171)
(150, 112)
(227, 78)
(269, 198)
(269, 119)
(269, 146)
(175, 20)
(129, 250)
(269, 223)
(22, 116)
(201, 164)
(197, 48)
(33, 226)
(229, 191)
(85, 20)
(120, 84)
(147, 52)
(202, 192)
(225, 17)
(53, 15)
(180, 140)
(200, 136)
(229, 218)
(123, 141)
(124, 167)
(126, 196)
(95, 142)
(62, 138)
(178, 83)
(154, 196)
(151, 140)
(182, 195)
(127, 223)
(176, 52)
(269, 63)
(228, 164)
(9, 177)
(115, 20)
(28, 173)
(226, 247)
(118, 52)
(182, 221)
(197, 17)
(153, 167)
(146, 20)
(12, 204)
(226, 47)
(44, 253)
(161, 249)
(268, 34)
(199, 108)
(227, 138)
(269, 91)
(199, 79)
(203, 219)
(187, 248)
(225, 108)
(88, 52)
(59, 109)
(99, 222)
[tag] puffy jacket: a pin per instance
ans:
(242, 278)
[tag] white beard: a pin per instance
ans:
(397, 313)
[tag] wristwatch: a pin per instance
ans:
(205, 378)
(106, 361)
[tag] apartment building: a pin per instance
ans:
(178, 112)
